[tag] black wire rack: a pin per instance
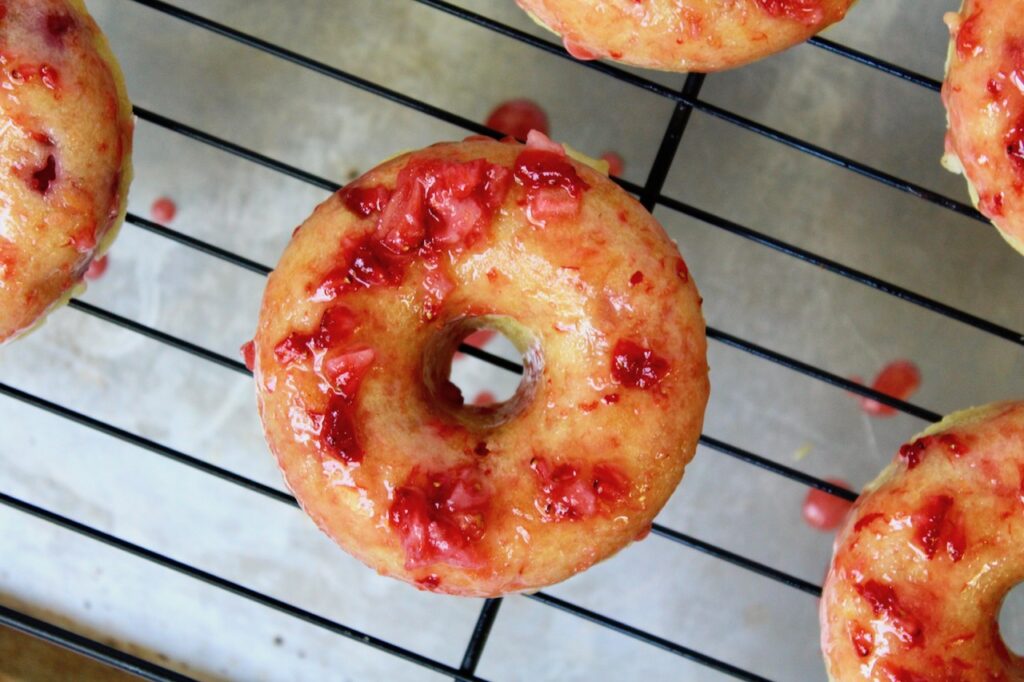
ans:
(687, 100)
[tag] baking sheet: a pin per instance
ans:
(334, 130)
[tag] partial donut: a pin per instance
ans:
(684, 35)
(356, 335)
(927, 556)
(984, 98)
(65, 154)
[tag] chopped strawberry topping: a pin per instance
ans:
(346, 370)
(807, 12)
(554, 190)
(967, 41)
(884, 603)
(863, 643)
(634, 366)
(248, 351)
(338, 433)
(913, 453)
(436, 206)
(636, 278)
(440, 517)
(517, 117)
(336, 324)
(569, 496)
(365, 201)
(936, 527)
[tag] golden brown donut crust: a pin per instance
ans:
(569, 472)
(684, 35)
(65, 154)
(925, 559)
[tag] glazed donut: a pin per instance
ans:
(684, 35)
(924, 561)
(984, 97)
(65, 153)
(356, 334)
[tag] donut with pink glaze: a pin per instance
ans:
(684, 35)
(984, 97)
(65, 152)
(358, 327)
(927, 556)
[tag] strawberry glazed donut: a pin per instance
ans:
(64, 154)
(984, 98)
(683, 35)
(928, 554)
(356, 334)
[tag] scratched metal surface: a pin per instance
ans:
(334, 130)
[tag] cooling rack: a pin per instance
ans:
(686, 100)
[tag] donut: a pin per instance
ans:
(927, 555)
(683, 35)
(354, 345)
(65, 155)
(984, 97)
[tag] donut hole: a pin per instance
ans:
(1011, 620)
(447, 387)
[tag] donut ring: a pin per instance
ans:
(354, 345)
(928, 554)
(684, 35)
(65, 154)
(984, 97)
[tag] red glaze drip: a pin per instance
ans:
(636, 278)
(824, 511)
(863, 643)
(634, 366)
(681, 270)
(884, 603)
(441, 517)
(336, 324)
(569, 495)
(934, 527)
(807, 12)
(163, 210)
(554, 190)
(967, 42)
(248, 351)
(517, 117)
(484, 398)
(365, 201)
(437, 206)
(97, 268)
(898, 379)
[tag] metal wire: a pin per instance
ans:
(687, 100)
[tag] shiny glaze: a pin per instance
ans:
(65, 155)
(984, 98)
(684, 35)
(930, 550)
(355, 341)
